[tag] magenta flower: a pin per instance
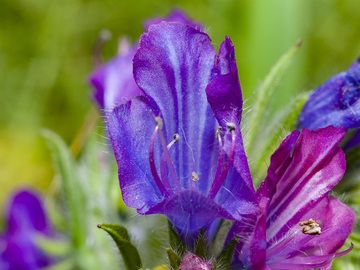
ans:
(174, 157)
(25, 219)
(301, 225)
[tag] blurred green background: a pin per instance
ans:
(46, 55)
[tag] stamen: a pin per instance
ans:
(310, 227)
(222, 171)
(166, 158)
(159, 183)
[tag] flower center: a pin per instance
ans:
(310, 227)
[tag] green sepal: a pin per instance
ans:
(174, 259)
(127, 250)
(175, 241)
(201, 246)
(224, 259)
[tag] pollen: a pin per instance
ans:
(310, 227)
(194, 176)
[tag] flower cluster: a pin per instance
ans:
(173, 109)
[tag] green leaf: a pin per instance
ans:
(71, 187)
(223, 261)
(264, 93)
(280, 126)
(128, 251)
(175, 241)
(174, 259)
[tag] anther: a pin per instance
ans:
(194, 177)
(176, 138)
(310, 227)
(159, 122)
(230, 126)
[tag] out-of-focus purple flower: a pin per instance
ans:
(25, 219)
(336, 102)
(193, 262)
(301, 225)
(113, 82)
(179, 146)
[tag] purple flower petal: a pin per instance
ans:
(317, 165)
(25, 219)
(225, 98)
(190, 211)
(353, 141)
(302, 172)
(113, 82)
(336, 102)
(336, 221)
(175, 16)
(130, 127)
(173, 66)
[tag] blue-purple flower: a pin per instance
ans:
(178, 145)
(336, 102)
(301, 225)
(25, 220)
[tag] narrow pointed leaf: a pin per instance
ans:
(223, 261)
(71, 188)
(174, 259)
(265, 91)
(127, 250)
(175, 240)
(201, 247)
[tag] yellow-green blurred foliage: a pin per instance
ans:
(46, 55)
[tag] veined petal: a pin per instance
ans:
(299, 249)
(173, 66)
(317, 165)
(336, 102)
(225, 98)
(113, 82)
(130, 127)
